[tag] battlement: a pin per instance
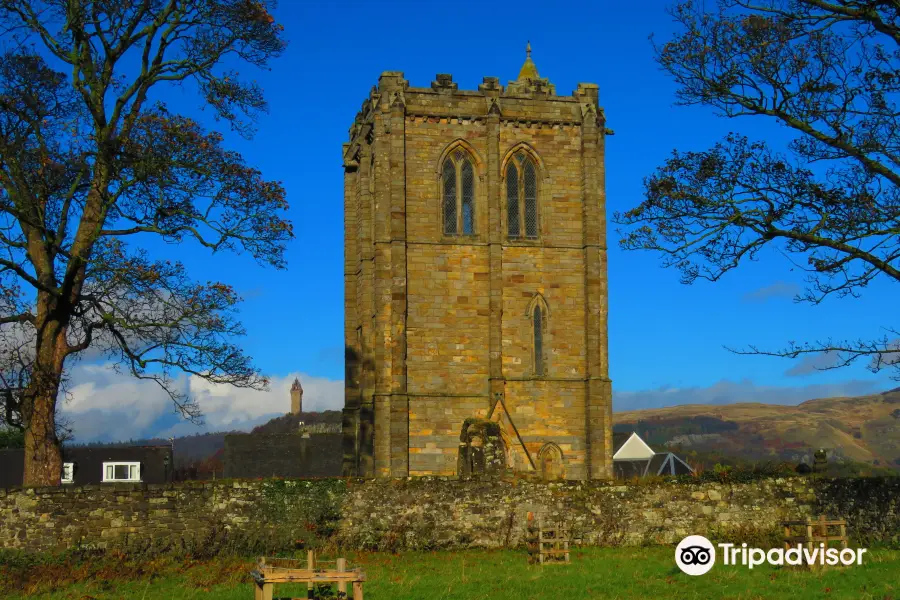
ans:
(539, 88)
(524, 100)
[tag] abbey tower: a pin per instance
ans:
(475, 280)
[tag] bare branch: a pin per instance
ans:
(828, 71)
(86, 165)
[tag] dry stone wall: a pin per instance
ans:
(431, 513)
(427, 515)
(250, 515)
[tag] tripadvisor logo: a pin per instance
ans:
(696, 555)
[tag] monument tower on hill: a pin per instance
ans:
(475, 281)
(296, 397)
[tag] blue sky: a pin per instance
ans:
(666, 339)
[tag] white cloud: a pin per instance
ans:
(108, 406)
(105, 405)
(227, 405)
(813, 363)
(779, 289)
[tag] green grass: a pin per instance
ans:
(473, 575)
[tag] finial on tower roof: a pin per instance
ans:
(529, 69)
(296, 385)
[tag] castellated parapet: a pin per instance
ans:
(475, 280)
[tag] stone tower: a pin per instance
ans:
(296, 397)
(475, 280)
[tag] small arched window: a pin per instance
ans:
(538, 316)
(458, 190)
(521, 197)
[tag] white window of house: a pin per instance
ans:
(68, 472)
(121, 471)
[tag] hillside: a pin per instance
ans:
(289, 423)
(865, 429)
(188, 449)
(192, 449)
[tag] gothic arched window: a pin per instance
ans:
(521, 197)
(458, 191)
(537, 314)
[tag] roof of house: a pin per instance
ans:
(633, 447)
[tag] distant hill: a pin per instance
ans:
(192, 449)
(189, 449)
(289, 423)
(865, 429)
(858, 430)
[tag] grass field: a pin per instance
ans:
(496, 575)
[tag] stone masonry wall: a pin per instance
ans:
(433, 513)
(257, 514)
(440, 326)
(452, 514)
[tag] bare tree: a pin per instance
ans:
(90, 167)
(828, 71)
(15, 369)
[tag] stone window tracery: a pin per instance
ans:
(458, 191)
(522, 198)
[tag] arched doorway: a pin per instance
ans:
(550, 459)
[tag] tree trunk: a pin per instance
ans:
(43, 456)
